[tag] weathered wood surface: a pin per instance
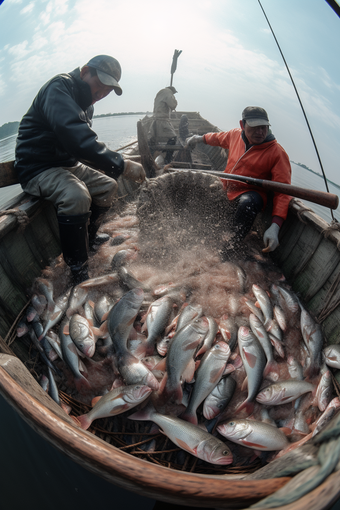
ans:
(8, 175)
(22, 391)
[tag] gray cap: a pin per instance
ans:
(255, 116)
(108, 70)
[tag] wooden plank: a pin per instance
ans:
(317, 270)
(8, 175)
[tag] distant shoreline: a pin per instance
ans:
(315, 173)
(11, 128)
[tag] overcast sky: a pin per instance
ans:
(229, 60)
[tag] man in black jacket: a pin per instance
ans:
(58, 156)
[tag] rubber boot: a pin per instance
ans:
(96, 218)
(74, 244)
(169, 153)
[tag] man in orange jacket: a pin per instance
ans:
(253, 152)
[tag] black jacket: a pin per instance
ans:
(56, 131)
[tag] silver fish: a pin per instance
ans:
(271, 368)
(54, 341)
(102, 307)
(130, 281)
(82, 335)
(52, 318)
(100, 280)
(313, 339)
(121, 258)
(219, 398)
(39, 303)
(283, 392)
(255, 310)
(163, 345)
(189, 437)
(115, 402)
(180, 364)
(332, 355)
(280, 317)
(324, 390)
(52, 387)
(264, 302)
(228, 329)
(207, 377)
(45, 287)
(295, 368)
(157, 318)
(187, 314)
(77, 299)
(289, 299)
(70, 356)
(122, 316)
(209, 337)
(327, 415)
(254, 361)
(254, 434)
(133, 370)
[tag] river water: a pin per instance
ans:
(118, 131)
(34, 473)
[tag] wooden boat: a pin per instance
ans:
(309, 257)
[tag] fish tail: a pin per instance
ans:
(189, 416)
(84, 421)
(271, 370)
(82, 384)
(248, 406)
(144, 414)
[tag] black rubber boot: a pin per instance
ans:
(74, 244)
(96, 218)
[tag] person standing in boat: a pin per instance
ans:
(253, 152)
(161, 129)
(58, 157)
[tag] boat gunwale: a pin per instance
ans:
(124, 469)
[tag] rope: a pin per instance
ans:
(307, 480)
(21, 216)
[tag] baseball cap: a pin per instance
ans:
(173, 90)
(255, 116)
(108, 71)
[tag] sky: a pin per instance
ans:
(229, 60)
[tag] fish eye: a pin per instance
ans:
(231, 423)
(225, 452)
(219, 406)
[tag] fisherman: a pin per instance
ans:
(161, 129)
(59, 158)
(253, 152)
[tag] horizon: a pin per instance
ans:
(229, 60)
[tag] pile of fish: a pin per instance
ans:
(222, 357)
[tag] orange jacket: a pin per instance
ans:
(267, 161)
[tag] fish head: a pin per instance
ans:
(234, 429)
(87, 347)
(137, 393)
(214, 451)
(271, 395)
(221, 350)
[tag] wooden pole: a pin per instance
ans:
(317, 197)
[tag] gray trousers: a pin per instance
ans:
(73, 189)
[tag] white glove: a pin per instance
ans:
(191, 142)
(133, 171)
(271, 238)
